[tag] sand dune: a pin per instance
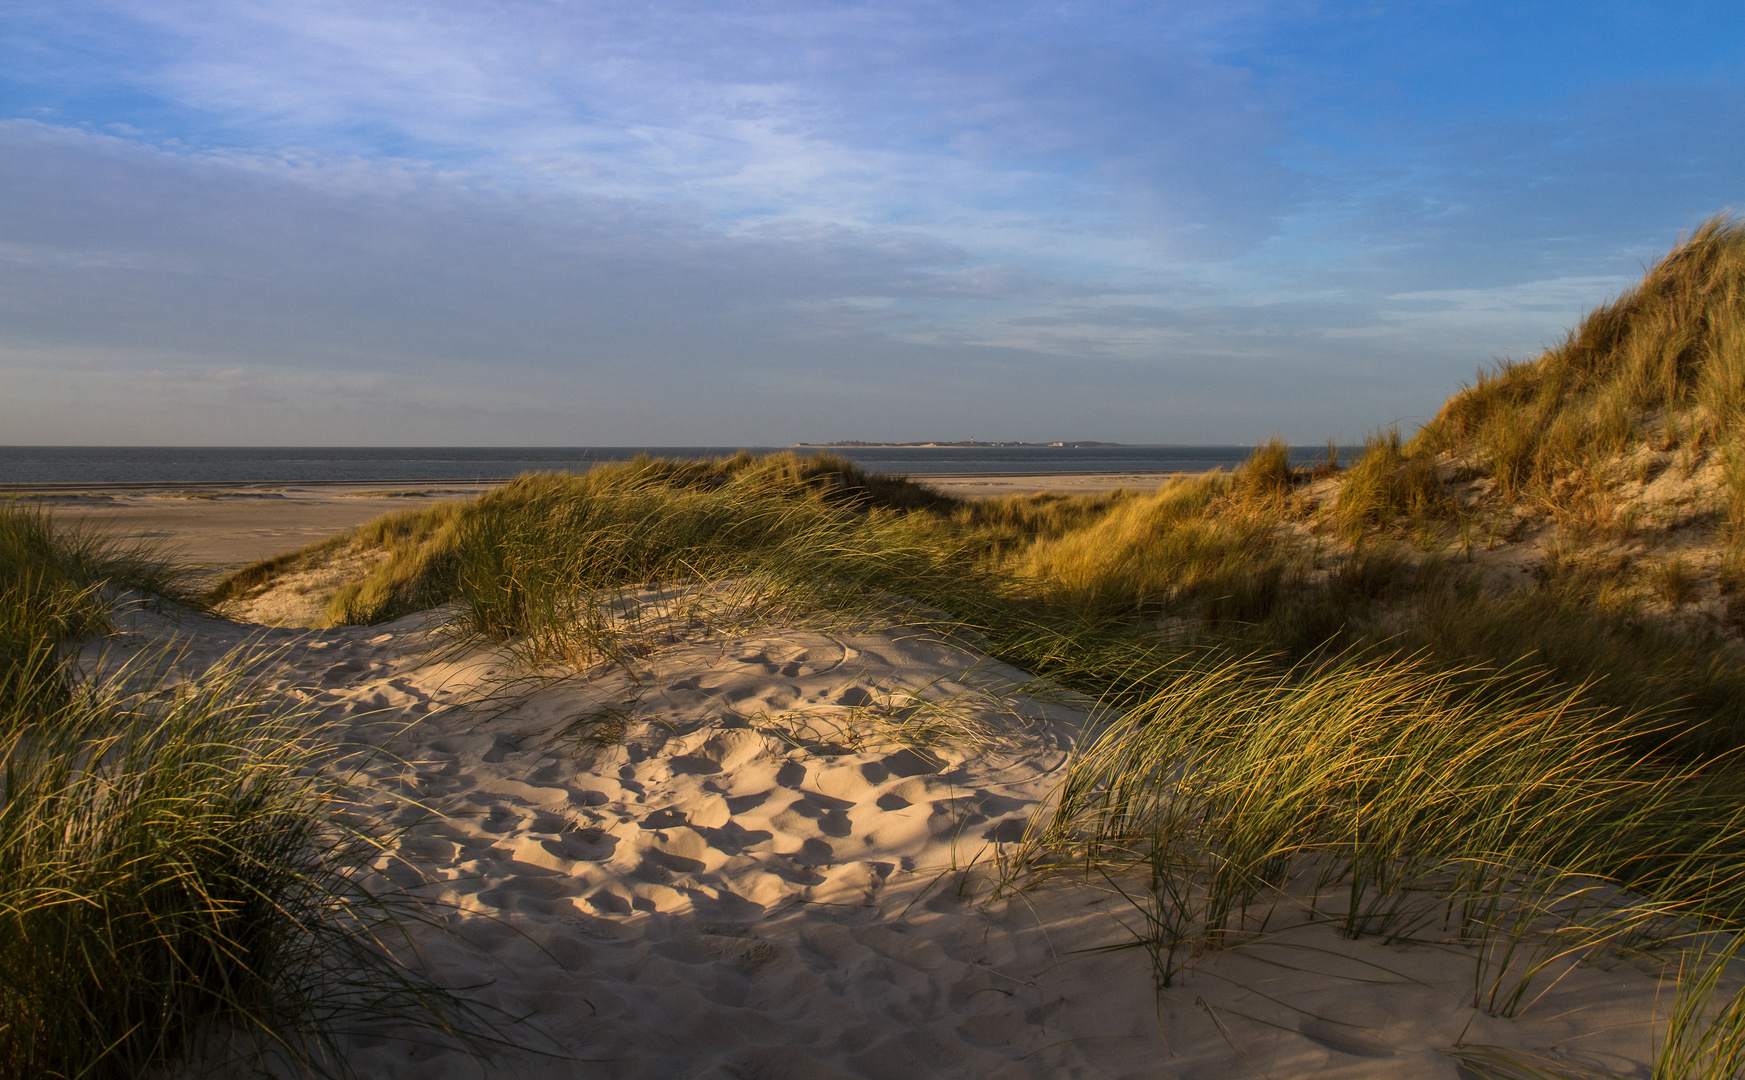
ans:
(716, 860)
(219, 529)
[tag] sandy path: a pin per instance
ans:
(708, 864)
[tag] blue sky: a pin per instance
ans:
(529, 222)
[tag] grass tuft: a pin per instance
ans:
(52, 582)
(176, 874)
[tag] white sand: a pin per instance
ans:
(703, 898)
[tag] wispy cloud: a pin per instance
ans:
(1146, 221)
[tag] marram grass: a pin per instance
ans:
(1397, 789)
(177, 873)
(1307, 697)
(51, 590)
(1671, 349)
(178, 876)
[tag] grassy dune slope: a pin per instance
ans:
(1578, 514)
(1660, 369)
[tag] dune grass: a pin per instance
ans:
(1310, 690)
(1705, 1034)
(1074, 587)
(51, 590)
(176, 873)
(172, 871)
(1399, 800)
(1664, 363)
(1511, 809)
(637, 521)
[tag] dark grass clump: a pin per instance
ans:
(176, 875)
(154, 868)
(52, 582)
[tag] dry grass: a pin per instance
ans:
(52, 582)
(1385, 484)
(1664, 364)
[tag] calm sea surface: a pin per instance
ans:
(258, 464)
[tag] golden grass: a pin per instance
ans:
(1664, 364)
(1400, 789)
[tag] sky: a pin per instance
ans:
(592, 222)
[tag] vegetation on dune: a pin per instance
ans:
(175, 873)
(170, 870)
(1505, 807)
(528, 558)
(1664, 364)
(51, 582)
(1403, 799)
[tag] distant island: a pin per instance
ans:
(966, 442)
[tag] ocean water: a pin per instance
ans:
(303, 464)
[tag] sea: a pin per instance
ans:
(346, 464)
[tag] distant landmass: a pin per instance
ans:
(967, 442)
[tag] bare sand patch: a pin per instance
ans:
(220, 529)
(721, 859)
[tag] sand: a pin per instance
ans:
(217, 529)
(713, 861)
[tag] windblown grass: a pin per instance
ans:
(1285, 752)
(1384, 484)
(1397, 800)
(175, 874)
(1705, 1035)
(1210, 545)
(1072, 587)
(51, 590)
(644, 520)
(171, 868)
(1312, 694)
